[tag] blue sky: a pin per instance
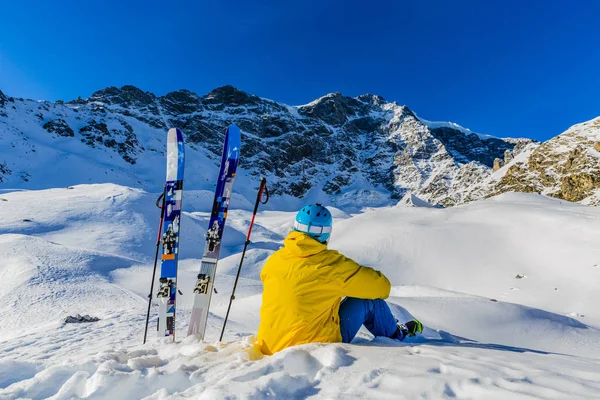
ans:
(508, 68)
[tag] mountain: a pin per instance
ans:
(566, 167)
(350, 152)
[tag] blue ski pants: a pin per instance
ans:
(375, 315)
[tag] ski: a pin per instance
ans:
(173, 193)
(208, 267)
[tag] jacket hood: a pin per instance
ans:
(302, 245)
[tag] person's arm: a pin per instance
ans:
(355, 280)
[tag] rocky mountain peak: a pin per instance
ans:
(229, 96)
(182, 96)
(333, 108)
(181, 102)
(405, 111)
(127, 96)
(3, 99)
(373, 99)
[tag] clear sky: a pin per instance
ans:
(508, 68)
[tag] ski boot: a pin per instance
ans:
(411, 328)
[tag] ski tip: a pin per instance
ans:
(174, 135)
(233, 137)
(233, 130)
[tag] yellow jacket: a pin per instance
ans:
(304, 283)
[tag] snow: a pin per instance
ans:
(411, 200)
(588, 129)
(489, 334)
(453, 125)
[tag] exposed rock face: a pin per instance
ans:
(60, 127)
(127, 96)
(349, 149)
(3, 101)
(567, 166)
(4, 171)
(508, 156)
(124, 140)
(229, 96)
(498, 163)
(471, 147)
(334, 109)
(78, 319)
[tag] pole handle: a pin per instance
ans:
(262, 188)
(160, 200)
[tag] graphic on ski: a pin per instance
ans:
(170, 235)
(208, 267)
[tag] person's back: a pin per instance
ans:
(304, 284)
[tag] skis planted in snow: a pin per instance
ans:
(173, 193)
(214, 235)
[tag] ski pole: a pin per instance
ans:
(263, 187)
(162, 213)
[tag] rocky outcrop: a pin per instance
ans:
(60, 127)
(4, 171)
(566, 167)
(470, 147)
(333, 109)
(508, 157)
(79, 319)
(127, 96)
(122, 139)
(498, 163)
(229, 96)
(180, 102)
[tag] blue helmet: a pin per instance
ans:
(316, 221)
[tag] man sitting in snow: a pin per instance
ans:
(304, 283)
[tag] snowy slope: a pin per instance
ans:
(89, 250)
